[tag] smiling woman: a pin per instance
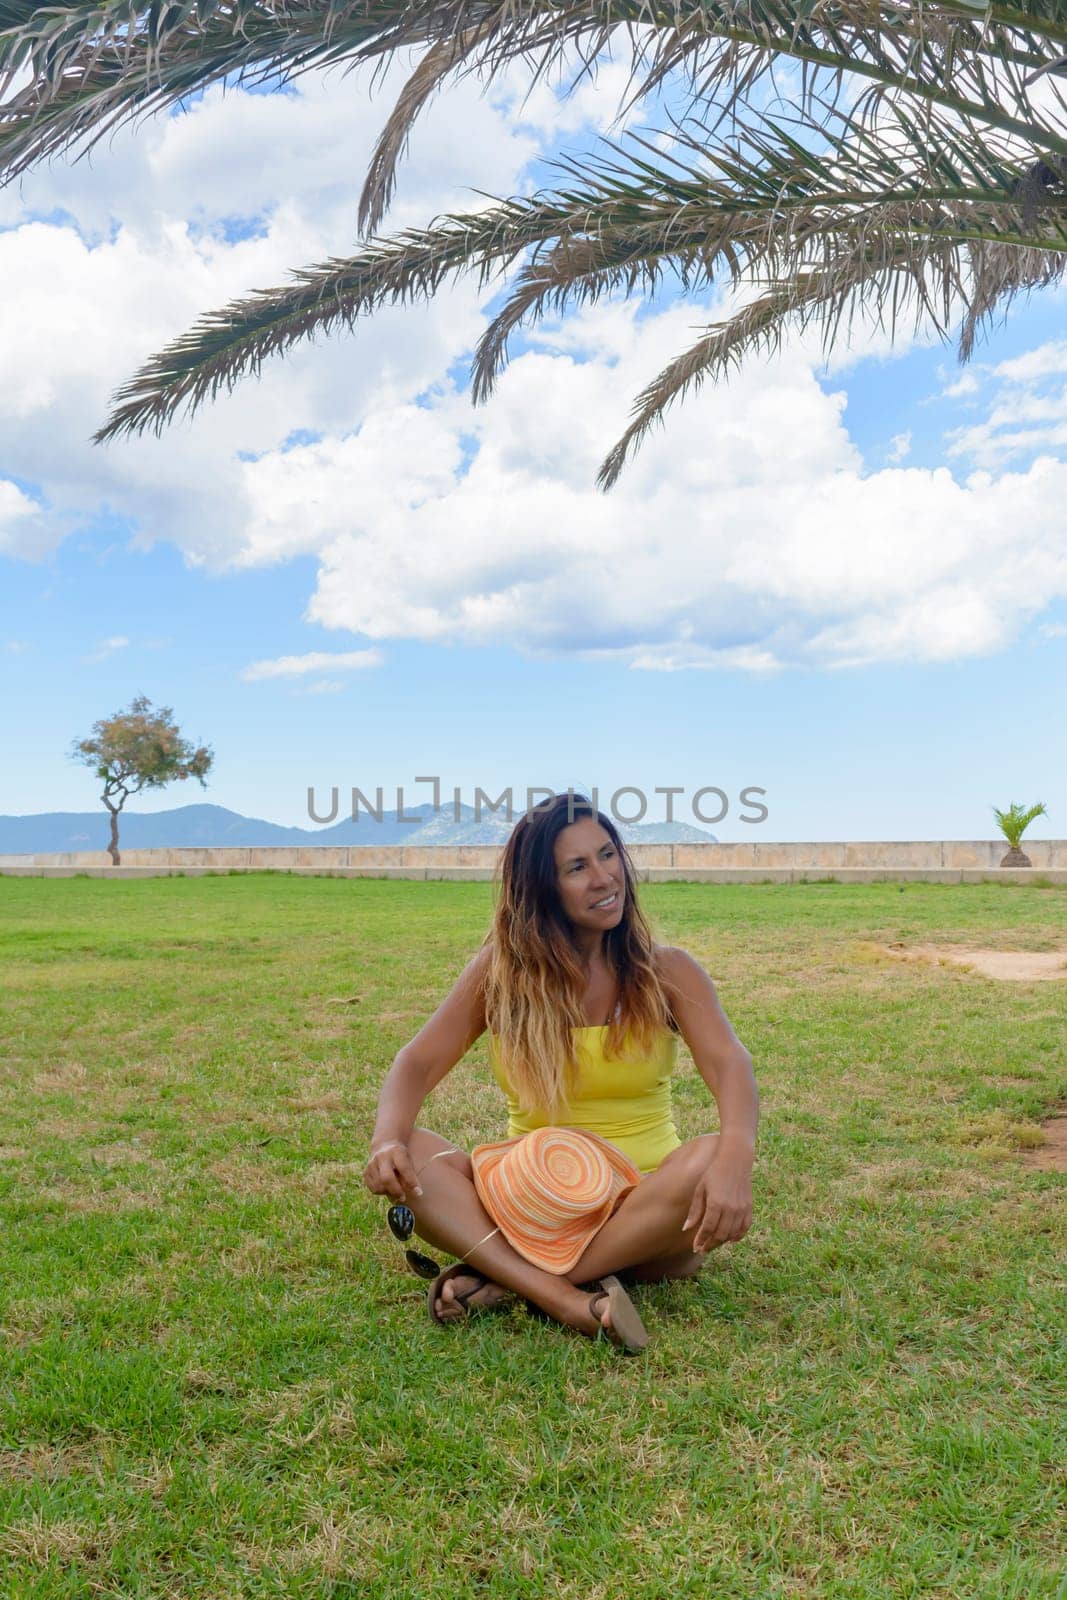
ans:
(593, 1179)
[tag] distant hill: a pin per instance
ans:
(209, 826)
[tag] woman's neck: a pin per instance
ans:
(589, 943)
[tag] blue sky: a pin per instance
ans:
(525, 629)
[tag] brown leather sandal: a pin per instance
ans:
(460, 1268)
(627, 1331)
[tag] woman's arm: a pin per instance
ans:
(720, 1057)
(418, 1067)
(721, 1206)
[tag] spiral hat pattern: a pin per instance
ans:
(551, 1190)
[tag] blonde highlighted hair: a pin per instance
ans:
(535, 980)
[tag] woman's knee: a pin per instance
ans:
(426, 1146)
(689, 1160)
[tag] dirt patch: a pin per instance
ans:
(1052, 1155)
(1018, 966)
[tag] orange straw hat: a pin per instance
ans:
(551, 1190)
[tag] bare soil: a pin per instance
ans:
(1052, 1155)
(1018, 966)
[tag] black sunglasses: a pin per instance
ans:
(401, 1220)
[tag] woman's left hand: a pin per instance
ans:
(721, 1206)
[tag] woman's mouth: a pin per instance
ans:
(607, 904)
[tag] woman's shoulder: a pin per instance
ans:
(670, 962)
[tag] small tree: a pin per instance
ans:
(1013, 823)
(139, 749)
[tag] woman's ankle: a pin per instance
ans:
(568, 1305)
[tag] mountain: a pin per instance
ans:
(214, 826)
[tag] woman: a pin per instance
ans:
(569, 947)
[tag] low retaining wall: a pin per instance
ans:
(936, 861)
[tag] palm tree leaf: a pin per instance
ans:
(95, 65)
(769, 203)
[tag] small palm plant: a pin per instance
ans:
(1013, 823)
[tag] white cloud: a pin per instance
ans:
(160, 231)
(1040, 363)
(107, 647)
(20, 520)
(314, 661)
(748, 535)
(1028, 411)
(963, 387)
(899, 447)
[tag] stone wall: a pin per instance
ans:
(935, 860)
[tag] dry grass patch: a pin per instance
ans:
(997, 1135)
(65, 1129)
(328, 1544)
(330, 1100)
(63, 1077)
(75, 1197)
(1011, 966)
(48, 1461)
(123, 1153)
(41, 1543)
(239, 1175)
(326, 1175)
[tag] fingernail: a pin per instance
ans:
(418, 1191)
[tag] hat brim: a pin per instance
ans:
(548, 1228)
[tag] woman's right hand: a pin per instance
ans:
(390, 1170)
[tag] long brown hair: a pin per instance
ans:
(535, 980)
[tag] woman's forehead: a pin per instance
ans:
(579, 838)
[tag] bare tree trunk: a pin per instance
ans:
(1016, 858)
(113, 847)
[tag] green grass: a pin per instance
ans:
(216, 1379)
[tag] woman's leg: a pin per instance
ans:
(644, 1239)
(450, 1216)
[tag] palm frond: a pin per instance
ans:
(95, 65)
(865, 259)
(439, 62)
(777, 196)
(926, 166)
(770, 206)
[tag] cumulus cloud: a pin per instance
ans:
(313, 661)
(20, 520)
(1040, 363)
(749, 534)
(105, 261)
(1027, 410)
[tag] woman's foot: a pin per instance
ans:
(449, 1305)
(610, 1311)
(598, 1312)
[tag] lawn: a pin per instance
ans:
(217, 1378)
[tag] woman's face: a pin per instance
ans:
(589, 873)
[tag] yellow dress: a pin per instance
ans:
(626, 1099)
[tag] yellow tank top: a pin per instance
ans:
(626, 1099)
